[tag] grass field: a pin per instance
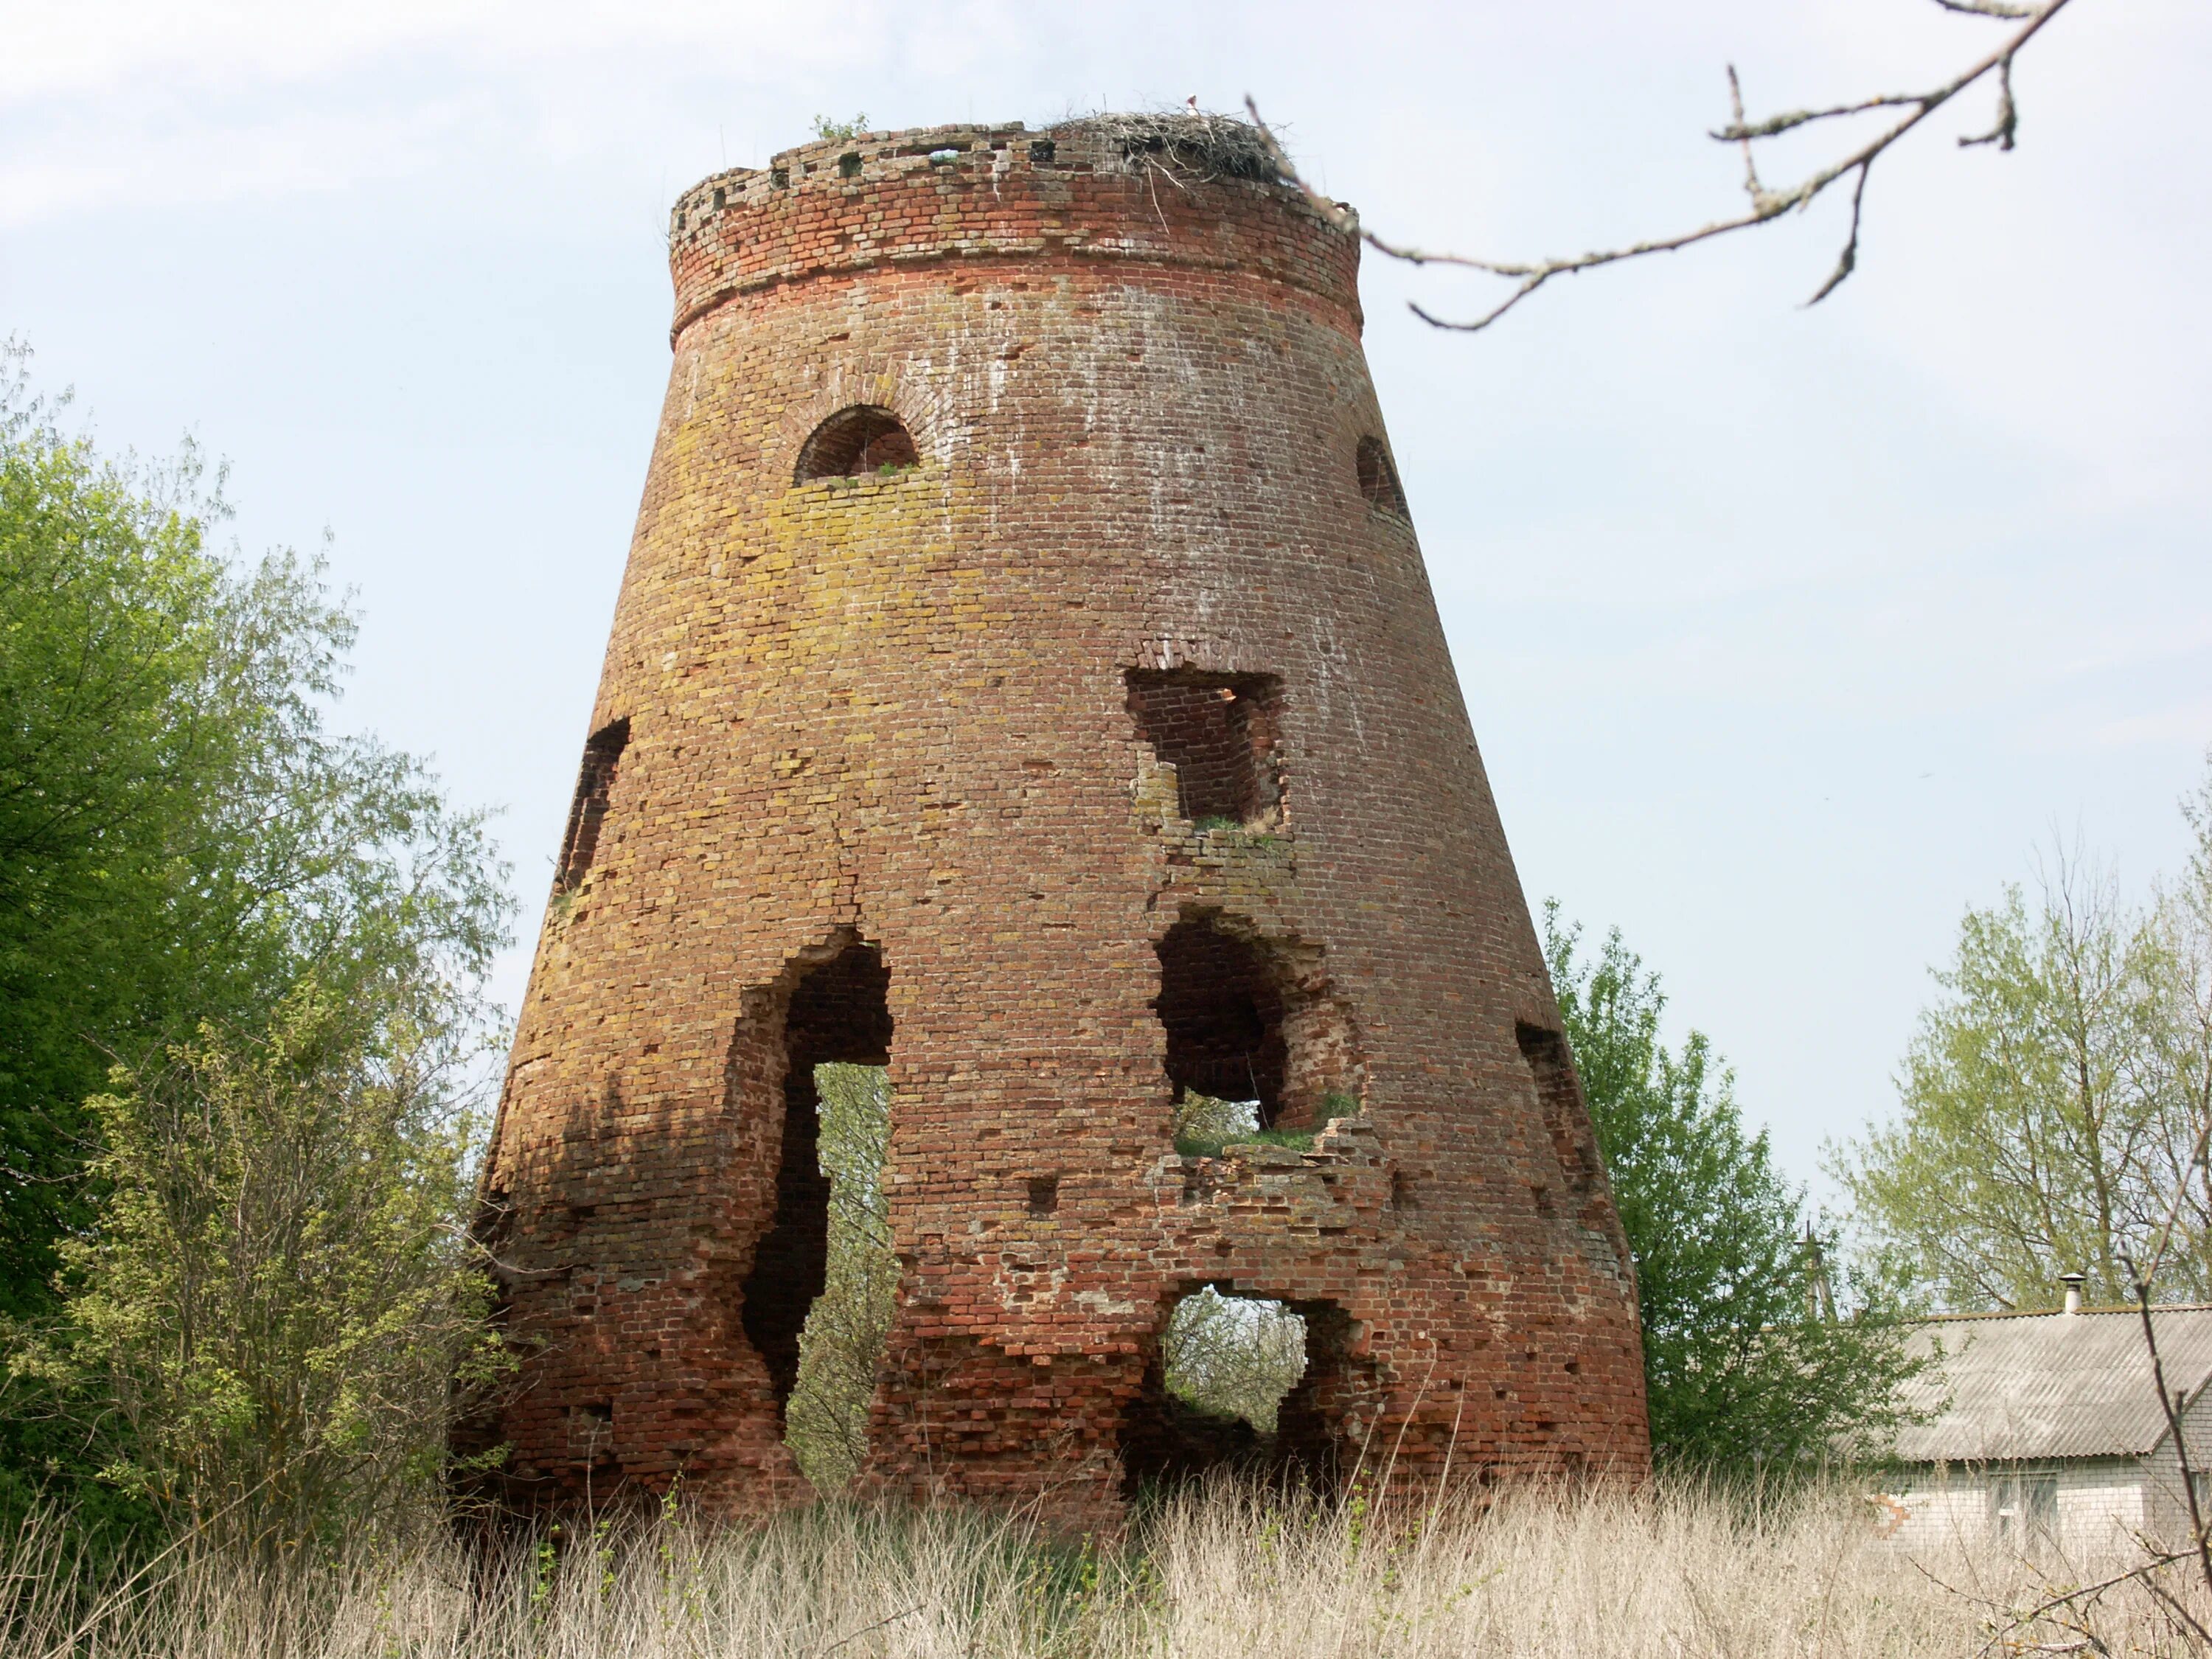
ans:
(1225, 1574)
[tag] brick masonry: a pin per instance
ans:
(893, 765)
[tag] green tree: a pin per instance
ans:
(181, 836)
(2056, 1095)
(1748, 1356)
(271, 1326)
(183, 840)
(2183, 922)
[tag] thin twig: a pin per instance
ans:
(892, 1619)
(2019, 1619)
(1752, 187)
(2173, 1605)
(2196, 1156)
(1765, 204)
(2001, 135)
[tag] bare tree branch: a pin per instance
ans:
(1765, 204)
(2001, 135)
(2173, 1605)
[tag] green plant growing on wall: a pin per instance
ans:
(835, 131)
(1203, 1127)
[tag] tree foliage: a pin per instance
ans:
(181, 835)
(2056, 1095)
(1748, 1357)
(185, 847)
(268, 1332)
(1233, 1356)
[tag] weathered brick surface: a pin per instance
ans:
(889, 731)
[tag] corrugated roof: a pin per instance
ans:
(2053, 1384)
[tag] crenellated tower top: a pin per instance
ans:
(1197, 190)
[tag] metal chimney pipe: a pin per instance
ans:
(2073, 1282)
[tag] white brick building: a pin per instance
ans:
(2050, 1431)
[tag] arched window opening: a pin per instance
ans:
(1219, 731)
(595, 782)
(1243, 1382)
(856, 441)
(1379, 480)
(819, 1302)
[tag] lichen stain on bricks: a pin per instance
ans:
(1105, 751)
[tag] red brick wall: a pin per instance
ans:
(894, 712)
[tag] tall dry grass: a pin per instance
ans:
(1227, 1572)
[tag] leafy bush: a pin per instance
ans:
(267, 1331)
(186, 849)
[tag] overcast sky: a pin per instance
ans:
(1788, 633)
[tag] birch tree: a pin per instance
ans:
(2054, 1099)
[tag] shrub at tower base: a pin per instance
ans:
(268, 1332)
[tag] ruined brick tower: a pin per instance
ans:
(1025, 676)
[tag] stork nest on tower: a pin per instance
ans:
(1204, 147)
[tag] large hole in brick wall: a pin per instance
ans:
(1379, 480)
(826, 1418)
(1222, 1007)
(1240, 1382)
(595, 781)
(1219, 733)
(1255, 1041)
(860, 439)
(817, 1303)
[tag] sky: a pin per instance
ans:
(1788, 633)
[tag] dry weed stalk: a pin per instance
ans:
(1535, 1573)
